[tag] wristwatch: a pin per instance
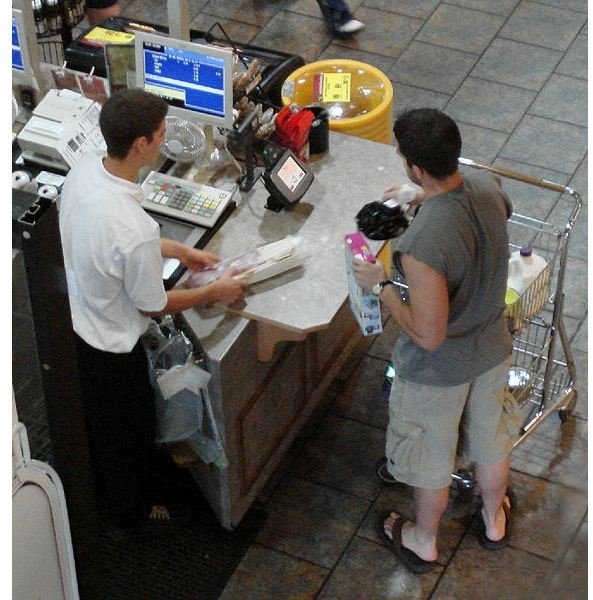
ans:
(380, 286)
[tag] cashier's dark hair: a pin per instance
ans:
(128, 115)
(429, 139)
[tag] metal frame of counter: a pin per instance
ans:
(273, 357)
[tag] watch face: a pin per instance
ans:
(378, 288)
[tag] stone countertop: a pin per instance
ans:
(354, 171)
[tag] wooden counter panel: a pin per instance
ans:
(330, 343)
(270, 414)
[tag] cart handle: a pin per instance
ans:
(550, 185)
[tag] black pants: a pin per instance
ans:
(120, 415)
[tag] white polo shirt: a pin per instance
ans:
(112, 256)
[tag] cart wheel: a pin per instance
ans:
(382, 472)
(566, 412)
(465, 486)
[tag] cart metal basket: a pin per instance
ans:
(542, 375)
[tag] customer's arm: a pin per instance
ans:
(425, 318)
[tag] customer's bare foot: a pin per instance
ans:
(426, 551)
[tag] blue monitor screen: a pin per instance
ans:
(17, 54)
(185, 79)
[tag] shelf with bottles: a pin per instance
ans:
(57, 17)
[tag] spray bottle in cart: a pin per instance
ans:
(525, 268)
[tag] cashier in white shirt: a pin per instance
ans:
(113, 258)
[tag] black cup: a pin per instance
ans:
(319, 134)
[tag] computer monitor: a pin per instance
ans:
(22, 72)
(196, 80)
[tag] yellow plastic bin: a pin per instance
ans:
(358, 97)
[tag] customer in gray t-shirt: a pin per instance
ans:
(462, 235)
(451, 359)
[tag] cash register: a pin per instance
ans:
(86, 52)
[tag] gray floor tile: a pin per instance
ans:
(578, 5)
(578, 243)
(385, 33)
(547, 516)
(514, 63)
(488, 104)
(497, 7)
(408, 96)
(155, 11)
(548, 26)
(575, 287)
(343, 455)
(563, 99)
(539, 141)
(432, 67)
(556, 452)
(362, 397)
(460, 28)
(582, 383)
(474, 572)
(311, 521)
(421, 9)
(381, 62)
(479, 144)
(284, 32)
(574, 62)
(311, 7)
(580, 179)
(530, 200)
(569, 579)
(370, 571)
(265, 573)
(581, 339)
(237, 31)
(253, 12)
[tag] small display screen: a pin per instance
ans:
(184, 78)
(17, 54)
(291, 174)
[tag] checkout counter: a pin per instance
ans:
(273, 355)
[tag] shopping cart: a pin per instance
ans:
(542, 375)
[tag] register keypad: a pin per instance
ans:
(194, 202)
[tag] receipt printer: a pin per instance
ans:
(64, 126)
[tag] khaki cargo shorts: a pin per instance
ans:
(424, 423)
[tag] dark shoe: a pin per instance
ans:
(484, 540)
(408, 558)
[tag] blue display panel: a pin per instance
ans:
(184, 78)
(17, 53)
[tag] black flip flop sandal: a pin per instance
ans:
(408, 558)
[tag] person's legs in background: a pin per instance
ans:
(338, 18)
(99, 10)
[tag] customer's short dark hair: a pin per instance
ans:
(128, 115)
(430, 139)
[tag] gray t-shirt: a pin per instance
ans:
(462, 235)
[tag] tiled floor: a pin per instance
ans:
(513, 73)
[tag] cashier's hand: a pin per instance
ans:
(198, 260)
(227, 289)
(368, 274)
